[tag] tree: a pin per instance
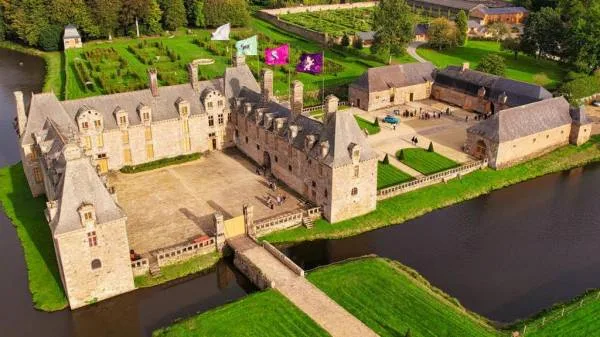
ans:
(430, 147)
(511, 44)
(401, 155)
(199, 14)
(106, 13)
(393, 23)
(174, 14)
(28, 19)
(386, 160)
(545, 33)
(358, 43)
(154, 16)
(408, 334)
(77, 12)
(442, 33)
(345, 40)
(50, 38)
(462, 27)
(498, 30)
(218, 12)
(2, 26)
(492, 64)
(131, 11)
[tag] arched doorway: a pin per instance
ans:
(267, 162)
(480, 150)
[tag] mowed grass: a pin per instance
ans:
(27, 215)
(263, 314)
(168, 273)
(388, 175)
(424, 161)
(364, 124)
(525, 68)
(412, 204)
(391, 301)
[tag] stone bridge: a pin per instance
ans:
(267, 267)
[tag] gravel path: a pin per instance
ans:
(412, 50)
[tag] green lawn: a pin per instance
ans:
(366, 125)
(525, 68)
(410, 205)
(263, 314)
(175, 271)
(27, 216)
(424, 161)
(391, 300)
(388, 175)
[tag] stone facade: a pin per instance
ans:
(507, 15)
(71, 38)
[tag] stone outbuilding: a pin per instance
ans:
(391, 85)
(507, 15)
(71, 38)
(517, 134)
(367, 38)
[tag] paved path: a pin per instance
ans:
(308, 298)
(412, 51)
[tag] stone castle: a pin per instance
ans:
(67, 148)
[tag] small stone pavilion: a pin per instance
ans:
(71, 38)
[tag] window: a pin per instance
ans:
(87, 216)
(314, 184)
(85, 125)
(92, 238)
(184, 110)
(354, 191)
(37, 175)
(146, 116)
(220, 103)
(97, 123)
(87, 143)
(220, 119)
(148, 133)
(127, 156)
(149, 151)
(355, 153)
(211, 121)
(246, 140)
(547, 136)
(212, 134)
(229, 116)
(356, 171)
(33, 155)
(96, 264)
(257, 147)
(125, 137)
(186, 127)
(290, 168)
(326, 193)
(123, 120)
(209, 105)
(100, 140)
(276, 159)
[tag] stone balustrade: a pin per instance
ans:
(283, 258)
(430, 179)
(320, 107)
(184, 251)
(140, 267)
(284, 221)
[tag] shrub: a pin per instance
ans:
(401, 155)
(430, 148)
(376, 123)
(492, 64)
(386, 160)
(160, 163)
(50, 38)
(345, 40)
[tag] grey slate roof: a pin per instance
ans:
(524, 120)
(237, 78)
(502, 10)
(366, 36)
(71, 32)
(421, 29)
(42, 107)
(394, 76)
(469, 81)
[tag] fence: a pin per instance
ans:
(140, 267)
(320, 107)
(184, 252)
(430, 179)
(284, 221)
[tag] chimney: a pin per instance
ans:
(239, 60)
(153, 81)
(465, 66)
(324, 149)
(279, 122)
(331, 106)
(247, 108)
(51, 207)
(293, 131)
(267, 85)
(193, 75)
(21, 116)
(297, 98)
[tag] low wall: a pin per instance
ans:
(252, 272)
(140, 267)
(320, 107)
(317, 8)
(289, 220)
(284, 259)
(430, 179)
(589, 99)
(184, 252)
(306, 33)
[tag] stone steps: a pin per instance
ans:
(307, 222)
(154, 268)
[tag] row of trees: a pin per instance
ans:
(38, 22)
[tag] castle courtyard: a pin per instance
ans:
(175, 204)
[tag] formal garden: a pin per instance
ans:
(388, 175)
(425, 161)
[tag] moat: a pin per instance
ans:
(505, 255)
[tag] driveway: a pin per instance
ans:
(412, 51)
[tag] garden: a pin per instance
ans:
(388, 175)
(425, 161)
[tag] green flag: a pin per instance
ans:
(248, 46)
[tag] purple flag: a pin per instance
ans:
(277, 56)
(310, 63)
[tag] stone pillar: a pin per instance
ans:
(249, 219)
(153, 82)
(297, 98)
(219, 231)
(267, 85)
(330, 107)
(21, 116)
(193, 75)
(239, 60)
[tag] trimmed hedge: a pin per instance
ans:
(153, 165)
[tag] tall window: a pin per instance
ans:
(220, 119)
(87, 143)
(229, 116)
(209, 105)
(186, 127)
(354, 191)
(149, 151)
(146, 116)
(92, 238)
(125, 137)
(148, 133)
(356, 171)
(97, 123)
(37, 175)
(100, 140)
(85, 125)
(211, 121)
(127, 156)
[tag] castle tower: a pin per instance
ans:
(21, 116)
(297, 98)
(267, 85)
(153, 81)
(193, 75)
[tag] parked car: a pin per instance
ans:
(596, 103)
(391, 119)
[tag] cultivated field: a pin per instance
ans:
(424, 161)
(388, 175)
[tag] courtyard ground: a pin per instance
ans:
(174, 204)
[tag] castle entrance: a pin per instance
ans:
(267, 162)
(481, 150)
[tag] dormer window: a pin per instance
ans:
(122, 120)
(87, 216)
(85, 125)
(97, 123)
(146, 117)
(145, 113)
(209, 105)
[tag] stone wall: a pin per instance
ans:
(284, 259)
(289, 220)
(383, 99)
(140, 267)
(184, 252)
(317, 8)
(461, 99)
(252, 272)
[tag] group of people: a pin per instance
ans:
(415, 140)
(278, 200)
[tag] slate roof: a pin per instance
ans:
(71, 32)
(524, 120)
(366, 36)
(42, 107)
(456, 4)
(502, 10)
(421, 29)
(394, 76)
(469, 81)
(237, 78)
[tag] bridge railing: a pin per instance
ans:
(288, 220)
(283, 258)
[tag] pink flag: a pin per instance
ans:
(277, 56)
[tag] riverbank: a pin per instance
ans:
(416, 203)
(172, 272)
(55, 76)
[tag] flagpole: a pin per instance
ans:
(289, 87)
(323, 78)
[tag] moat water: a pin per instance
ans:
(505, 255)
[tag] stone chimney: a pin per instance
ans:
(193, 75)
(465, 66)
(267, 85)
(247, 108)
(297, 98)
(324, 149)
(153, 81)
(52, 209)
(330, 107)
(21, 116)
(239, 60)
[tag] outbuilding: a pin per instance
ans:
(71, 38)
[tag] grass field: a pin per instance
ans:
(424, 161)
(27, 215)
(526, 68)
(263, 314)
(175, 271)
(388, 175)
(391, 301)
(366, 125)
(410, 205)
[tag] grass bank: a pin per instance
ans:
(55, 76)
(153, 165)
(413, 204)
(27, 215)
(262, 314)
(175, 271)
(525, 68)
(391, 299)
